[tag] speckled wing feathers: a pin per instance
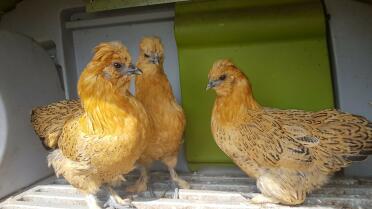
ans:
(271, 145)
(340, 137)
(300, 140)
(49, 120)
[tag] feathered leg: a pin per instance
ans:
(275, 189)
(171, 163)
(262, 199)
(141, 183)
(177, 181)
(92, 201)
(116, 202)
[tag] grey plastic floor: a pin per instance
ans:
(210, 190)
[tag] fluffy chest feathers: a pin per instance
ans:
(155, 93)
(112, 130)
(234, 142)
(229, 117)
(107, 116)
(109, 109)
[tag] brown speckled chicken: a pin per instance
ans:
(48, 121)
(289, 152)
(107, 138)
(154, 91)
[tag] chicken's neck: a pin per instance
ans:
(153, 87)
(107, 107)
(231, 108)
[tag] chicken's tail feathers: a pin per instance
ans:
(367, 149)
(365, 133)
(40, 130)
(40, 124)
(48, 121)
(45, 145)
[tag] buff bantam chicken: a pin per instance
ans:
(106, 138)
(154, 91)
(289, 152)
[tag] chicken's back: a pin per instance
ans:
(48, 121)
(343, 137)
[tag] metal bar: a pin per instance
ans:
(207, 192)
(124, 19)
(104, 5)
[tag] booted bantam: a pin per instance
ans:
(289, 152)
(154, 91)
(108, 135)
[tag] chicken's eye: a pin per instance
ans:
(147, 56)
(117, 65)
(222, 77)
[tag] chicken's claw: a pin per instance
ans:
(113, 204)
(151, 189)
(176, 190)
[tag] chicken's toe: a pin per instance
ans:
(151, 189)
(262, 199)
(176, 190)
(113, 204)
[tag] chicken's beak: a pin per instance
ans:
(133, 70)
(212, 84)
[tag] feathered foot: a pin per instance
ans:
(262, 199)
(116, 202)
(177, 183)
(175, 189)
(276, 189)
(92, 202)
(178, 180)
(151, 189)
(141, 183)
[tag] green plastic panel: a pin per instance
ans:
(279, 44)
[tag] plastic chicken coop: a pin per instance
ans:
(300, 54)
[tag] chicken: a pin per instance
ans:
(48, 121)
(154, 91)
(106, 139)
(289, 152)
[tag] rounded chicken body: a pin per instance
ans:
(106, 138)
(289, 152)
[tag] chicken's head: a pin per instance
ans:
(110, 67)
(113, 61)
(224, 77)
(151, 51)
